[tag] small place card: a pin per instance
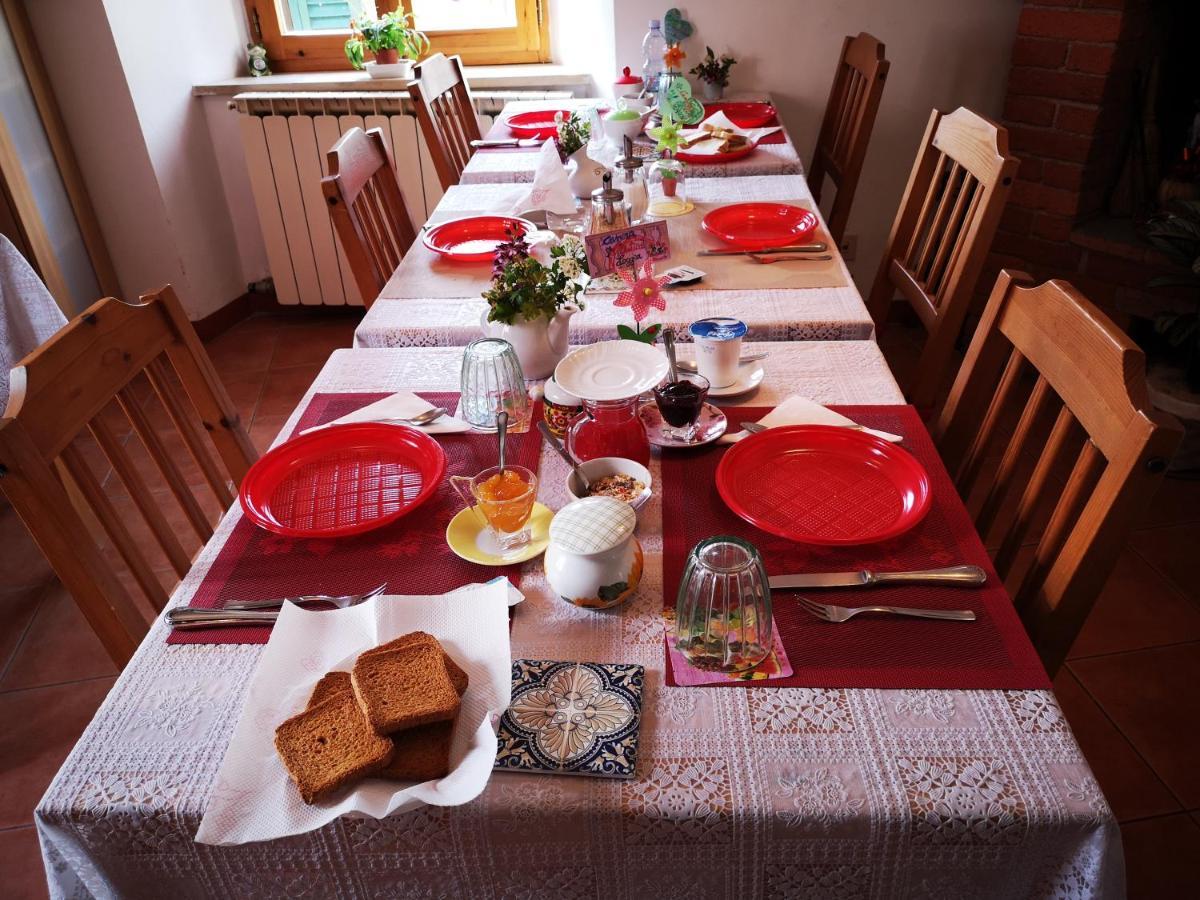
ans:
(627, 248)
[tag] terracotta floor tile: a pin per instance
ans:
(17, 608)
(1150, 695)
(1132, 789)
(311, 343)
(1176, 501)
(284, 388)
(59, 646)
(1173, 551)
(21, 870)
(1138, 608)
(40, 728)
(1160, 857)
(248, 347)
(244, 390)
(264, 431)
(21, 562)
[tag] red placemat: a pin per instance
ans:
(410, 554)
(992, 652)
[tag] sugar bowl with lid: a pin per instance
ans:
(593, 559)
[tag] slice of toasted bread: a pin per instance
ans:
(330, 685)
(457, 675)
(404, 688)
(330, 746)
(422, 753)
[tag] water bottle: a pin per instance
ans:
(654, 45)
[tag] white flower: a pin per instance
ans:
(570, 267)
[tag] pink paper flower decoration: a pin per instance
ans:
(642, 293)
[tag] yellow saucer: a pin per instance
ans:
(470, 539)
(666, 208)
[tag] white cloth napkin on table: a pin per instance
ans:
(720, 120)
(549, 189)
(802, 411)
(401, 405)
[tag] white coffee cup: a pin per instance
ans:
(718, 348)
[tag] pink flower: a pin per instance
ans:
(642, 293)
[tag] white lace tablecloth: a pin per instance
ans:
(413, 309)
(516, 166)
(763, 792)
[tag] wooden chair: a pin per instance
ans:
(941, 235)
(367, 209)
(446, 113)
(62, 393)
(846, 128)
(1092, 379)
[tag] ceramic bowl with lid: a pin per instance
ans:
(593, 560)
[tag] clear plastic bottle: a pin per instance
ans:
(654, 45)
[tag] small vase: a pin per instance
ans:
(713, 91)
(539, 344)
(584, 174)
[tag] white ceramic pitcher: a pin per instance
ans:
(539, 344)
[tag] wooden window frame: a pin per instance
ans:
(528, 42)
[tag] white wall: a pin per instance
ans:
(944, 53)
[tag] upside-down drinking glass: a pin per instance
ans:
(723, 610)
(492, 380)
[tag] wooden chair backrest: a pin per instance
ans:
(367, 208)
(846, 128)
(63, 393)
(943, 230)
(1092, 379)
(446, 113)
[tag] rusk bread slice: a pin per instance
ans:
(329, 746)
(457, 675)
(404, 688)
(330, 685)
(422, 753)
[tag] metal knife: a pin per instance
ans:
(505, 142)
(191, 617)
(819, 247)
(953, 575)
(690, 364)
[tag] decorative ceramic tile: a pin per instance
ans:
(570, 718)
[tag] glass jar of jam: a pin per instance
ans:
(609, 428)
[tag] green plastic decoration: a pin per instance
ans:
(683, 106)
(675, 27)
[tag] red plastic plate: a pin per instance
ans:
(473, 239)
(817, 484)
(741, 152)
(341, 480)
(538, 123)
(744, 115)
(759, 226)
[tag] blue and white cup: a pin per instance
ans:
(718, 348)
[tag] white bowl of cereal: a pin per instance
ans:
(612, 476)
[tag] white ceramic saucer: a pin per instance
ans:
(750, 376)
(711, 425)
(611, 370)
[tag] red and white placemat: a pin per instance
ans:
(410, 555)
(992, 652)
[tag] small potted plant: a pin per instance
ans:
(714, 72)
(669, 182)
(530, 303)
(391, 39)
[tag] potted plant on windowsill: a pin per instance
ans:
(393, 41)
(713, 71)
(530, 303)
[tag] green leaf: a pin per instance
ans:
(627, 333)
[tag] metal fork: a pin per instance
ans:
(255, 612)
(342, 602)
(766, 259)
(830, 613)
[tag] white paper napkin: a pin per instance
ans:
(549, 190)
(802, 411)
(720, 120)
(253, 798)
(401, 405)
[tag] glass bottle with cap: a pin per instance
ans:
(610, 211)
(633, 182)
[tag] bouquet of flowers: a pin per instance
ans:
(573, 131)
(523, 287)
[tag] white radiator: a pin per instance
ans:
(285, 137)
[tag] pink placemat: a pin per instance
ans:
(992, 652)
(410, 554)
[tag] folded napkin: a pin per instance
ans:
(718, 128)
(549, 190)
(802, 411)
(401, 405)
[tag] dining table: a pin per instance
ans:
(508, 165)
(792, 300)
(747, 792)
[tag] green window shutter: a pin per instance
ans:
(311, 15)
